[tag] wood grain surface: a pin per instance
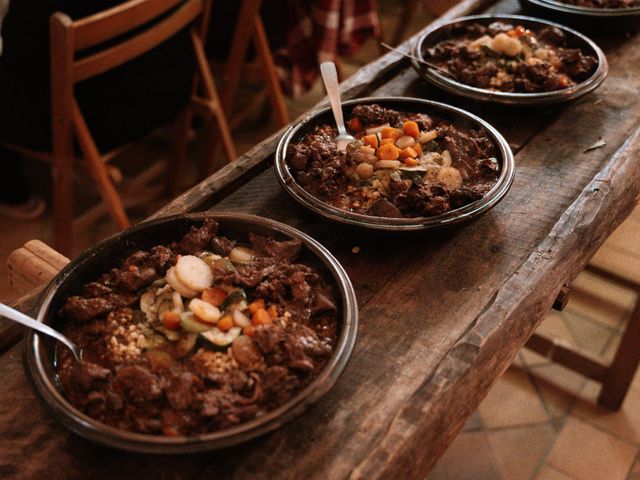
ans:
(441, 314)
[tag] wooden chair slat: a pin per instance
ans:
(119, 54)
(98, 28)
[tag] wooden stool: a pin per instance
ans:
(618, 375)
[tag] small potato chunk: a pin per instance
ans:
(500, 42)
(513, 47)
(241, 255)
(204, 310)
(364, 170)
(427, 136)
(177, 285)
(405, 141)
(450, 177)
(387, 164)
(194, 273)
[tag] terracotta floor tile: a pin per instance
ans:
(587, 453)
(474, 422)
(601, 300)
(548, 473)
(625, 237)
(625, 423)
(590, 336)
(558, 387)
(468, 457)
(619, 261)
(512, 401)
(555, 326)
(519, 451)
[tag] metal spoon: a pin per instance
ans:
(444, 71)
(20, 317)
(330, 79)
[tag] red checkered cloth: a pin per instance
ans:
(318, 31)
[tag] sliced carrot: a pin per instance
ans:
(418, 148)
(410, 162)
(371, 140)
(385, 141)
(408, 152)
(388, 152)
(225, 323)
(170, 320)
(411, 128)
(249, 330)
(390, 132)
(256, 305)
(273, 312)
(261, 317)
(214, 296)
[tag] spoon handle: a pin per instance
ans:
(330, 79)
(20, 317)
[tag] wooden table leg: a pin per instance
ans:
(620, 373)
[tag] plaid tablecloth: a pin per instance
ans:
(321, 30)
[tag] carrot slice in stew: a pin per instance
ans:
(388, 152)
(411, 128)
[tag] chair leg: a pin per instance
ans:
(238, 53)
(212, 97)
(178, 158)
(410, 9)
(98, 170)
(625, 363)
(273, 84)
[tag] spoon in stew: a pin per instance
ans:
(330, 79)
(444, 71)
(16, 316)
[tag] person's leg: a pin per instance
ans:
(20, 123)
(14, 188)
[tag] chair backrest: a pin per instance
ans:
(93, 45)
(110, 27)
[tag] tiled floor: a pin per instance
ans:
(540, 420)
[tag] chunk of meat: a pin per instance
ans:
(283, 251)
(222, 245)
(179, 392)
(138, 383)
(384, 208)
(80, 309)
(198, 238)
(87, 376)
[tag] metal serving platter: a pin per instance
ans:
(456, 116)
(587, 19)
(575, 39)
(40, 351)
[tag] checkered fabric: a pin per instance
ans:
(322, 30)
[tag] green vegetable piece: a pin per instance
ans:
(220, 338)
(234, 297)
(190, 324)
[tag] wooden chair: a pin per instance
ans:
(434, 7)
(615, 377)
(69, 66)
(250, 27)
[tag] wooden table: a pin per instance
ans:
(441, 314)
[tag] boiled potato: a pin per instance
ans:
(177, 285)
(450, 177)
(194, 273)
(241, 255)
(204, 310)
